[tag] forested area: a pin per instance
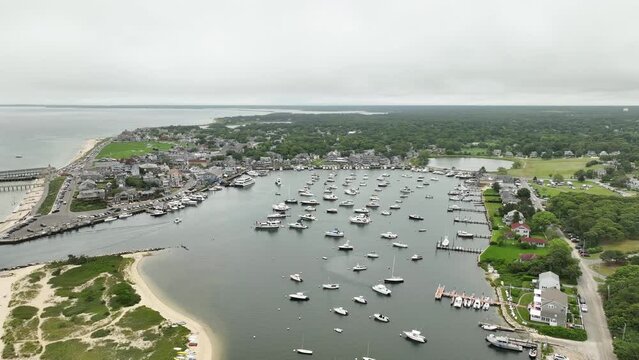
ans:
(597, 219)
(456, 129)
(621, 303)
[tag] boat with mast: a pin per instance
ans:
(394, 279)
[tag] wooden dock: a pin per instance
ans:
(451, 209)
(499, 327)
(441, 292)
(439, 246)
(470, 221)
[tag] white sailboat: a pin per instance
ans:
(302, 350)
(394, 279)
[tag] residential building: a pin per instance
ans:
(534, 241)
(522, 230)
(548, 280)
(549, 306)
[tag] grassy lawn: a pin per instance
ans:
(87, 205)
(626, 246)
(54, 188)
(128, 149)
(549, 191)
(543, 168)
(509, 252)
(603, 269)
(474, 151)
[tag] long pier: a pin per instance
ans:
(23, 174)
(470, 221)
(453, 208)
(439, 246)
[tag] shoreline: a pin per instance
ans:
(208, 347)
(87, 146)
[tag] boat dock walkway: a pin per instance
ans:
(470, 221)
(451, 209)
(439, 246)
(441, 292)
(500, 328)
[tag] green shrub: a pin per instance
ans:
(100, 333)
(123, 295)
(563, 333)
(24, 312)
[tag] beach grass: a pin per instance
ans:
(127, 149)
(52, 193)
(541, 168)
(141, 318)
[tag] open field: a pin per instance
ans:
(125, 150)
(544, 168)
(87, 205)
(509, 252)
(549, 191)
(54, 187)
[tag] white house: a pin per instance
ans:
(549, 306)
(520, 229)
(548, 280)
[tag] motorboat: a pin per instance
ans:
(330, 197)
(347, 203)
(381, 289)
(373, 205)
(503, 342)
(252, 173)
(331, 211)
(360, 300)
(308, 217)
(299, 296)
(310, 208)
(361, 211)
(383, 184)
(415, 335)
(381, 317)
(296, 277)
(363, 184)
(422, 230)
(400, 245)
(330, 286)
(157, 212)
(309, 202)
(125, 215)
(415, 217)
(428, 196)
(386, 213)
(532, 353)
(303, 351)
(278, 182)
(361, 219)
(110, 218)
(416, 257)
(345, 246)
(477, 304)
(458, 302)
(359, 267)
(340, 311)
(465, 234)
(486, 304)
(243, 181)
(405, 190)
(434, 179)
(395, 207)
(453, 207)
(279, 215)
(334, 233)
(267, 225)
(445, 242)
(298, 226)
(489, 327)
(290, 201)
(177, 220)
(306, 193)
(351, 192)
(338, 330)
(394, 279)
(281, 207)
(388, 235)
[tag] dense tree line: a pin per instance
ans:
(597, 219)
(621, 303)
(558, 260)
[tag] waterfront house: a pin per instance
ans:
(534, 241)
(549, 306)
(548, 280)
(522, 230)
(508, 218)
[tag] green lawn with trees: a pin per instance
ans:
(545, 169)
(621, 304)
(128, 149)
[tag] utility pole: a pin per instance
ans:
(623, 336)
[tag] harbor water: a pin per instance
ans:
(236, 279)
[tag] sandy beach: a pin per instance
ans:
(7, 278)
(26, 207)
(86, 147)
(208, 347)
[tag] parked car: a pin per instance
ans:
(559, 357)
(584, 308)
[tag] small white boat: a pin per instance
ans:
(303, 351)
(381, 318)
(372, 255)
(306, 193)
(416, 257)
(331, 211)
(503, 342)
(310, 208)
(279, 215)
(422, 230)
(532, 353)
(299, 296)
(395, 207)
(359, 267)
(311, 202)
(280, 207)
(330, 197)
(278, 182)
(388, 235)
(308, 217)
(373, 205)
(489, 327)
(459, 301)
(340, 311)
(400, 245)
(330, 286)
(125, 215)
(296, 277)
(415, 217)
(361, 211)
(360, 300)
(338, 330)
(347, 203)
(345, 246)
(177, 220)
(298, 226)
(361, 219)
(351, 192)
(110, 218)
(386, 213)
(477, 304)
(381, 289)
(465, 234)
(334, 233)
(445, 242)
(267, 225)
(415, 336)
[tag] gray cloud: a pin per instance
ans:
(319, 52)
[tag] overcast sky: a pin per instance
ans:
(319, 52)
